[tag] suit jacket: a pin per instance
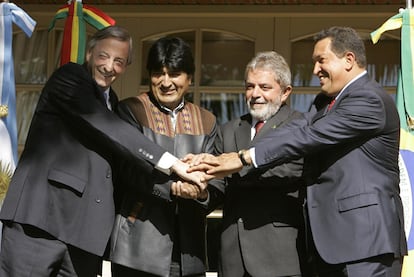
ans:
(63, 181)
(262, 214)
(150, 232)
(353, 202)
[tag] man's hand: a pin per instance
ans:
(197, 159)
(189, 191)
(216, 166)
(197, 177)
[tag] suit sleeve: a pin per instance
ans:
(358, 116)
(161, 183)
(76, 97)
(216, 186)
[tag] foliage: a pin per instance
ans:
(5, 177)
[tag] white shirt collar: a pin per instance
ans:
(350, 82)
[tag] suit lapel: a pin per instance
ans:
(275, 121)
(242, 132)
(113, 99)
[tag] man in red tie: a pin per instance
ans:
(262, 221)
(353, 203)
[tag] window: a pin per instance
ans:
(384, 68)
(30, 69)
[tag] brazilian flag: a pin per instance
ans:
(405, 105)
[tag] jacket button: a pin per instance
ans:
(98, 200)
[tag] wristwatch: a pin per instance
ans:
(241, 157)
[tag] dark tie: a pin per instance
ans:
(258, 126)
(331, 104)
(107, 101)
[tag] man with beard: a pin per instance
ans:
(352, 146)
(262, 214)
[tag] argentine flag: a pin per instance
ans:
(9, 13)
(405, 105)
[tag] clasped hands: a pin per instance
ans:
(197, 170)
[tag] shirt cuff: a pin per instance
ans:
(166, 162)
(252, 153)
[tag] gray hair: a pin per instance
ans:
(273, 61)
(115, 32)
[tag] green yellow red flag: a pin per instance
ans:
(74, 34)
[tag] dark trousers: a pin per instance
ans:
(385, 265)
(123, 271)
(379, 266)
(29, 251)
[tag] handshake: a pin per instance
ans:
(197, 170)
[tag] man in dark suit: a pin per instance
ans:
(353, 203)
(59, 210)
(262, 214)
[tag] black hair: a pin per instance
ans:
(173, 53)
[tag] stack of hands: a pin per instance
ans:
(197, 170)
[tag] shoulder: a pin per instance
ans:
(71, 74)
(287, 114)
(366, 93)
(237, 122)
(72, 68)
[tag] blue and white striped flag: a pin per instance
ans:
(9, 13)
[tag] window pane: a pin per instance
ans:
(26, 103)
(301, 102)
(383, 67)
(224, 58)
(384, 61)
(58, 49)
(30, 56)
(225, 106)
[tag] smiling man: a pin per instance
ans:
(154, 237)
(263, 228)
(59, 210)
(351, 148)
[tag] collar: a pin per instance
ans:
(175, 111)
(350, 82)
(164, 108)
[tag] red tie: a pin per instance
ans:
(258, 126)
(331, 104)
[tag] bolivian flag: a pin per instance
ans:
(405, 105)
(74, 34)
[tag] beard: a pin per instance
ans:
(265, 112)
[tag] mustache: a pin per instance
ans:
(107, 74)
(253, 101)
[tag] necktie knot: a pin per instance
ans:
(259, 126)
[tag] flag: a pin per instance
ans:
(74, 33)
(9, 13)
(405, 105)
